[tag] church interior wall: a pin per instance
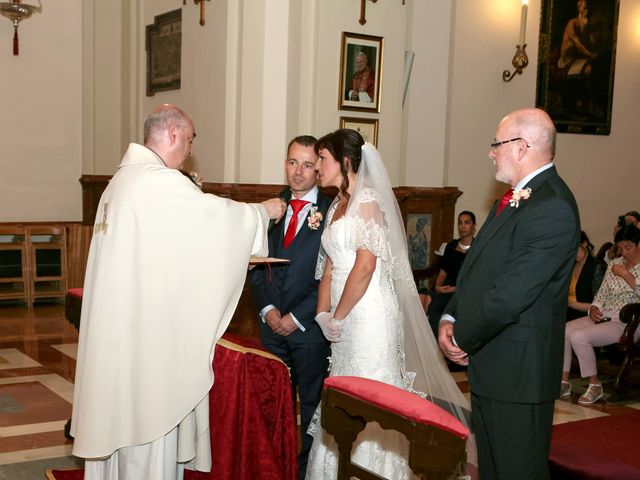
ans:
(596, 167)
(41, 116)
(83, 66)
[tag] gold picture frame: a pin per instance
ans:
(367, 127)
(575, 86)
(360, 80)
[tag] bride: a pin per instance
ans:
(368, 304)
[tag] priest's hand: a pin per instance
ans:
(331, 328)
(276, 207)
(286, 326)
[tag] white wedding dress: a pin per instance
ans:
(369, 348)
(386, 335)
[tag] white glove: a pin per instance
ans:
(331, 328)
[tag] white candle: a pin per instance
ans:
(523, 21)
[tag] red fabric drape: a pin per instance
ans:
(77, 474)
(253, 429)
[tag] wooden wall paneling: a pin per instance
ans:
(438, 202)
(14, 263)
(78, 243)
(48, 261)
(92, 188)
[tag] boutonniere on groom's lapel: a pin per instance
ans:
(518, 195)
(315, 217)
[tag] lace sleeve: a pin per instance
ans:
(367, 226)
(322, 255)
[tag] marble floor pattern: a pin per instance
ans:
(37, 363)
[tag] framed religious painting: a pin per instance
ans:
(419, 239)
(367, 127)
(576, 64)
(164, 52)
(360, 72)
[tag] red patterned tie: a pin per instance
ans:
(296, 206)
(504, 200)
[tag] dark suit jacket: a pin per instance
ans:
(292, 288)
(511, 300)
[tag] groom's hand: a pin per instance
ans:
(273, 318)
(286, 326)
(450, 350)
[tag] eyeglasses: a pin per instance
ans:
(497, 144)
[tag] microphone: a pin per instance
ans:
(285, 196)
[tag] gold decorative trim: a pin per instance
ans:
(239, 348)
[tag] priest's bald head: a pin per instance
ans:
(169, 132)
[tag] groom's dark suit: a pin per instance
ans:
(292, 288)
(510, 308)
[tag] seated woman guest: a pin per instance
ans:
(454, 254)
(630, 218)
(602, 326)
(585, 281)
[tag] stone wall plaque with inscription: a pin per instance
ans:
(164, 47)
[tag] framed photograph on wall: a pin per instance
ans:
(360, 72)
(577, 57)
(367, 127)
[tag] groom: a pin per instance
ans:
(508, 314)
(286, 297)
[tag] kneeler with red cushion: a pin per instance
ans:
(253, 427)
(251, 415)
(436, 438)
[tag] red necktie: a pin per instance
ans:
(504, 200)
(296, 206)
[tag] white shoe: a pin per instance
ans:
(565, 389)
(592, 395)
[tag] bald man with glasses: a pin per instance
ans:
(507, 317)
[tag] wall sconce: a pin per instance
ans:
(16, 11)
(363, 10)
(201, 2)
(520, 59)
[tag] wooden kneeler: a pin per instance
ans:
(437, 439)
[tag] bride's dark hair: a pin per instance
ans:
(340, 144)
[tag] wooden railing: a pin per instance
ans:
(437, 204)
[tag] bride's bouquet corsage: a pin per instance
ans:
(519, 195)
(315, 217)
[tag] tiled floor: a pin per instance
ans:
(37, 364)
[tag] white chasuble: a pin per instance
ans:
(165, 271)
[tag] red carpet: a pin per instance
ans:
(598, 449)
(602, 448)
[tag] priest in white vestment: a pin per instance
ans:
(165, 271)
